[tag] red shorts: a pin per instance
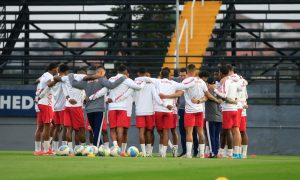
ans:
(163, 120)
(237, 120)
(228, 119)
(243, 124)
(193, 119)
(38, 119)
(45, 115)
(174, 121)
(145, 122)
(118, 118)
(58, 117)
(104, 125)
(74, 117)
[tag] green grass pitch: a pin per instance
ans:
(23, 165)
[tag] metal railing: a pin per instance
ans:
(192, 16)
(185, 27)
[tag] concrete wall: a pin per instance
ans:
(271, 130)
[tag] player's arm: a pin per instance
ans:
(77, 84)
(111, 85)
(158, 100)
(199, 101)
(223, 94)
(131, 84)
(212, 98)
(171, 96)
(66, 90)
(98, 94)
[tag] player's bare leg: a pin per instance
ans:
(160, 133)
(46, 137)
(142, 140)
(124, 140)
(56, 133)
(52, 129)
(91, 137)
(105, 138)
(82, 136)
(237, 140)
(175, 142)
(201, 147)
(165, 142)
(120, 136)
(69, 137)
(38, 137)
(113, 135)
(76, 138)
(244, 144)
(64, 136)
(189, 141)
(149, 141)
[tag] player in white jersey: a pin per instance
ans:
(117, 114)
(59, 105)
(243, 124)
(227, 89)
(73, 114)
(46, 111)
(237, 140)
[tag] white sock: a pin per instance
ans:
(55, 146)
(38, 146)
(221, 152)
(64, 142)
(148, 149)
(115, 143)
(201, 148)
(189, 146)
(124, 145)
(170, 144)
(151, 149)
(143, 147)
(240, 150)
(235, 149)
(106, 144)
(164, 151)
(160, 148)
(50, 139)
(244, 149)
(70, 145)
(207, 150)
(46, 146)
(175, 146)
(230, 152)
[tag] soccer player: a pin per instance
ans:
(95, 108)
(244, 97)
(227, 89)
(59, 105)
(194, 109)
(46, 110)
(117, 114)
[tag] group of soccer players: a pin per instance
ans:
(64, 100)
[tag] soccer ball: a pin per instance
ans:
(90, 150)
(103, 151)
(115, 151)
(132, 151)
(78, 150)
(63, 150)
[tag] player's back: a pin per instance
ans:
(48, 98)
(118, 91)
(74, 93)
(232, 94)
(144, 99)
(164, 86)
(59, 97)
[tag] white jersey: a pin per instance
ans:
(119, 91)
(37, 92)
(73, 93)
(59, 97)
(167, 87)
(47, 99)
(197, 90)
(227, 90)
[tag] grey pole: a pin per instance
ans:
(177, 34)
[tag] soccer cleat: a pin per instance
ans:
(123, 154)
(49, 153)
(236, 156)
(220, 156)
(201, 156)
(206, 155)
(244, 156)
(38, 153)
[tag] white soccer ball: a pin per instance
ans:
(78, 149)
(103, 151)
(90, 150)
(132, 151)
(63, 150)
(115, 151)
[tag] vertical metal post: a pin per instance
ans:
(177, 34)
(26, 45)
(277, 87)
